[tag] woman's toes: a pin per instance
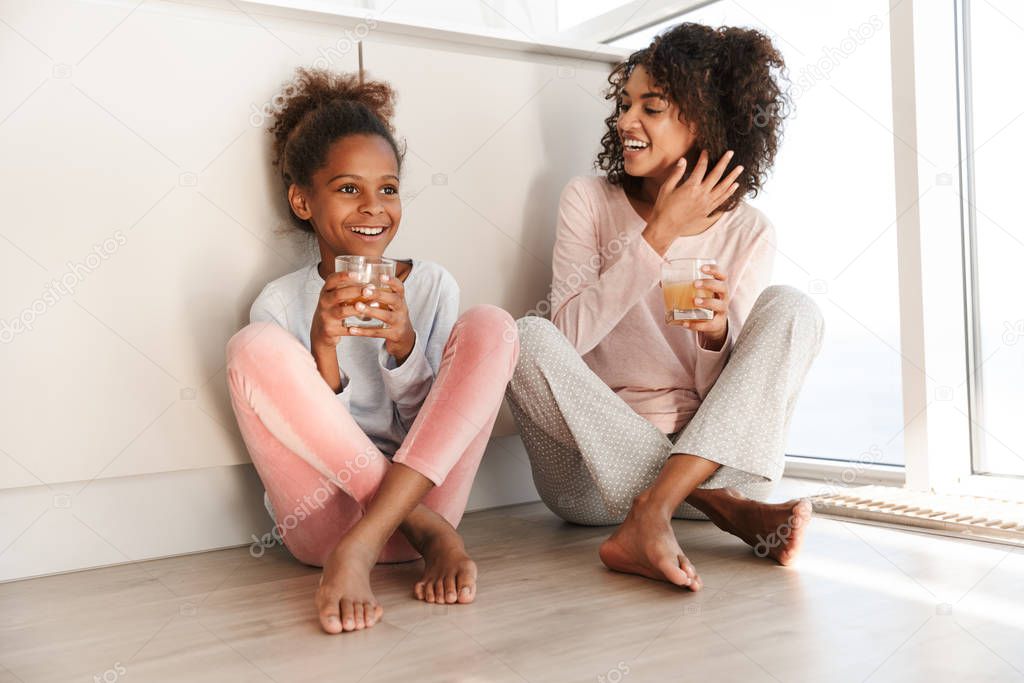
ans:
(418, 590)
(691, 572)
(673, 573)
(428, 590)
(439, 591)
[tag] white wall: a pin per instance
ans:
(133, 172)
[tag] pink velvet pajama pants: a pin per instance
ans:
(321, 470)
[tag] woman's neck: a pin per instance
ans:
(643, 195)
(649, 189)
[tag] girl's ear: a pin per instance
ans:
(297, 200)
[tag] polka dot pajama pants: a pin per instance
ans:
(590, 453)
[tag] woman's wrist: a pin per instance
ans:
(713, 341)
(658, 235)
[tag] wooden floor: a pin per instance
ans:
(863, 604)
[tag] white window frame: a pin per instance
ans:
(932, 157)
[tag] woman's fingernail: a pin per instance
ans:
(360, 306)
(385, 277)
(367, 291)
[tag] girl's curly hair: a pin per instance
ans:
(725, 82)
(318, 108)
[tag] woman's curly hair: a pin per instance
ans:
(318, 108)
(725, 82)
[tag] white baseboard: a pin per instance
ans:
(70, 526)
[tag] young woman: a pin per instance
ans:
(366, 439)
(629, 420)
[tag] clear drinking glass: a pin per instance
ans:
(369, 270)
(678, 284)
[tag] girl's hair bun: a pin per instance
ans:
(319, 107)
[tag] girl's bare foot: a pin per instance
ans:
(449, 575)
(645, 544)
(344, 599)
(772, 530)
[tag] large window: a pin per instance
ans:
(995, 128)
(831, 199)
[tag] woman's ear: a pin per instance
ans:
(298, 202)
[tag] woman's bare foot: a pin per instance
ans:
(344, 599)
(645, 544)
(773, 530)
(449, 575)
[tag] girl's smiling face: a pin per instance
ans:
(653, 135)
(353, 203)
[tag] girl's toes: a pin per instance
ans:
(330, 618)
(450, 595)
(439, 591)
(357, 614)
(374, 613)
(466, 588)
(348, 621)
(428, 590)
(418, 590)
(370, 612)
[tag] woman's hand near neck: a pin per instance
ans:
(689, 207)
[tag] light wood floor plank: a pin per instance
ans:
(863, 604)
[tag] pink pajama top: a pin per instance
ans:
(606, 297)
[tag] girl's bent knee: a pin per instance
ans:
(253, 344)
(489, 318)
(490, 330)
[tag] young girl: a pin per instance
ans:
(366, 439)
(685, 421)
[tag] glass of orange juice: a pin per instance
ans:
(370, 270)
(678, 284)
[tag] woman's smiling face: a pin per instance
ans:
(653, 135)
(353, 204)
